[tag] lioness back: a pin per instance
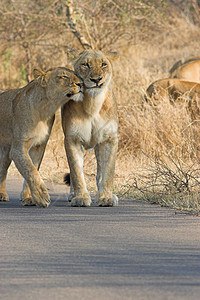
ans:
(182, 62)
(172, 84)
(189, 71)
(176, 90)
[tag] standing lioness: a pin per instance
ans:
(26, 119)
(92, 123)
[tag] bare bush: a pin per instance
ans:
(168, 182)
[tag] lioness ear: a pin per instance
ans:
(69, 67)
(112, 56)
(40, 76)
(72, 55)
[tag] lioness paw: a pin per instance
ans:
(41, 197)
(28, 201)
(107, 201)
(4, 197)
(81, 201)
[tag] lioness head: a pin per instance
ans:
(94, 68)
(60, 83)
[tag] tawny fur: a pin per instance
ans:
(26, 119)
(176, 90)
(189, 71)
(182, 62)
(90, 124)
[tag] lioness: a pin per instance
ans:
(92, 123)
(174, 90)
(182, 62)
(26, 119)
(189, 71)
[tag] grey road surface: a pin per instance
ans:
(134, 251)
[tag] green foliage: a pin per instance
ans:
(6, 57)
(23, 74)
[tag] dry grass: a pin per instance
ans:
(158, 153)
(168, 182)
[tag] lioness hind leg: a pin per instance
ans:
(25, 195)
(5, 163)
(68, 181)
(99, 172)
(36, 154)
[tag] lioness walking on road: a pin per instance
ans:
(92, 123)
(26, 119)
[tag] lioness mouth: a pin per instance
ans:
(69, 95)
(72, 94)
(95, 87)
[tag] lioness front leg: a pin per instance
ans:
(36, 154)
(22, 160)
(106, 156)
(4, 165)
(74, 153)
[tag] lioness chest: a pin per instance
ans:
(90, 123)
(92, 131)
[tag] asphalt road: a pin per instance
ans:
(133, 251)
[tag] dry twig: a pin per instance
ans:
(72, 24)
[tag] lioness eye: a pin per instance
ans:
(104, 64)
(65, 77)
(85, 65)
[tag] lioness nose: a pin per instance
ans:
(96, 80)
(79, 84)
